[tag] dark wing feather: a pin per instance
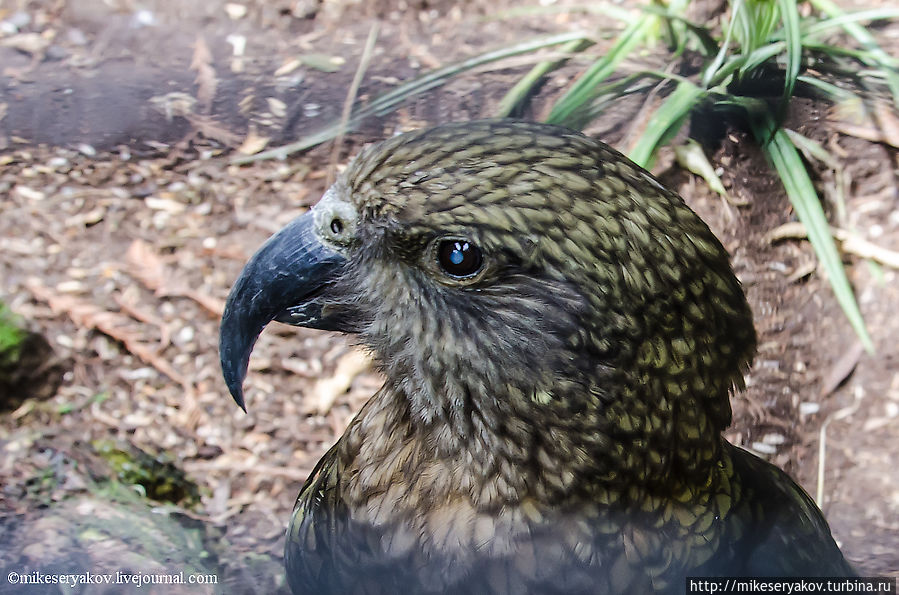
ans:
(783, 533)
(326, 552)
(313, 527)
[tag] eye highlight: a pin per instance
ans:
(460, 259)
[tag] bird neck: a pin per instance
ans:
(543, 444)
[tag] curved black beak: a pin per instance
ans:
(283, 281)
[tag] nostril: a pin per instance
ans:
(336, 225)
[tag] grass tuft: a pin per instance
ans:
(755, 57)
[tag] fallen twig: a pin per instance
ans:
(115, 325)
(851, 243)
(364, 61)
(146, 266)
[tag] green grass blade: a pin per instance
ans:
(666, 121)
(582, 90)
(843, 19)
(741, 24)
(441, 75)
(604, 9)
(877, 56)
(756, 21)
(388, 101)
(608, 93)
(761, 55)
(708, 46)
(833, 92)
(801, 192)
(525, 85)
(813, 150)
(675, 25)
(789, 14)
(725, 72)
(831, 51)
(713, 69)
(11, 334)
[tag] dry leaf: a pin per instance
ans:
(889, 124)
(115, 325)
(841, 369)
(173, 104)
(875, 423)
(128, 303)
(253, 143)
(326, 390)
(212, 304)
(288, 67)
(249, 466)
(27, 43)
(120, 327)
(851, 243)
(851, 118)
(277, 107)
(145, 265)
(865, 249)
(211, 129)
(322, 62)
(246, 104)
(165, 204)
(206, 80)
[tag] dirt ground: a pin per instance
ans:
(123, 224)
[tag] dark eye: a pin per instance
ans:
(459, 258)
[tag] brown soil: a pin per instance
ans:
(123, 225)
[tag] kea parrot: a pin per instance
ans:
(559, 336)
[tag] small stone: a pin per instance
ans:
(185, 335)
(56, 53)
(143, 18)
(235, 11)
(809, 408)
(29, 193)
(774, 439)
(20, 19)
(761, 447)
(76, 37)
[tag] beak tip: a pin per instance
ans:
(234, 368)
(237, 395)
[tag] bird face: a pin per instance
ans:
(507, 265)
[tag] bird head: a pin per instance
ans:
(512, 273)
